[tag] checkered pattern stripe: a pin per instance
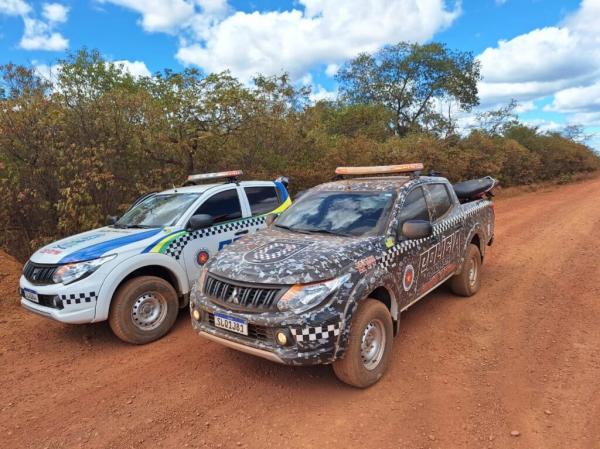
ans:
(176, 246)
(305, 334)
(389, 258)
(449, 223)
(78, 298)
(276, 250)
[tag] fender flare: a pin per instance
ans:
(359, 293)
(126, 267)
(476, 230)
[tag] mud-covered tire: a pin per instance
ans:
(353, 368)
(468, 281)
(143, 310)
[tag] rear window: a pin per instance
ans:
(262, 199)
(440, 200)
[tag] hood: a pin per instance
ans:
(276, 256)
(93, 244)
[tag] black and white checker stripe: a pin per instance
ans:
(78, 298)
(325, 332)
(389, 258)
(176, 246)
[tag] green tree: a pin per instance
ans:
(409, 79)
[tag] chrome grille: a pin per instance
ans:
(242, 297)
(38, 273)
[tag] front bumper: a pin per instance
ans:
(314, 337)
(76, 302)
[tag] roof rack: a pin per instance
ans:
(231, 176)
(414, 168)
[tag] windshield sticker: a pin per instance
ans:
(275, 251)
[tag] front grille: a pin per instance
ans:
(237, 296)
(255, 332)
(38, 273)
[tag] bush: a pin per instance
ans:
(76, 151)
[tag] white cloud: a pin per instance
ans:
(214, 37)
(323, 32)
(39, 35)
(544, 61)
(14, 7)
(161, 15)
(319, 93)
(134, 68)
(55, 12)
(332, 69)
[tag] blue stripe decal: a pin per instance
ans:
(282, 190)
(97, 250)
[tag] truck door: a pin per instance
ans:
(225, 208)
(439, 260)
(414, 208)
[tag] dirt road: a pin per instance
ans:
(522, 355)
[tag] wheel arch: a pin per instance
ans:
(143, 265)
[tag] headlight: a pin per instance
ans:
(302, 297)
(73, 271)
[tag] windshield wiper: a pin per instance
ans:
(292, 228)
(136, 226)
(323, 231)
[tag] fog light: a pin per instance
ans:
(196, 314)
(281, 338)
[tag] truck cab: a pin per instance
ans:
(137, 272)
(327, 282)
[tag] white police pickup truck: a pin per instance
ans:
(138, 272)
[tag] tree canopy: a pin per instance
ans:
(412, 81)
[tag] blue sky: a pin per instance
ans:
(543, 53)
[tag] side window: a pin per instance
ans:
(440, 200)
(222, 206)
(262, 199)
(414, 207)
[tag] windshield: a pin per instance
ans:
(157, 211)
(341, 213)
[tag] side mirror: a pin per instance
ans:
(416, 229)
(200, 221)
(111, 220)
(270, 219)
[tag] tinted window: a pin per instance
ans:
(414, 207)
(343, 213)
(262, 199)
(223, 206)
(440, 200)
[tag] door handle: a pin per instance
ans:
(245, 231)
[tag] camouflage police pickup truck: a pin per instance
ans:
(327, 281)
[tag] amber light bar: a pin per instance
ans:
(379, 170)
(217, 175)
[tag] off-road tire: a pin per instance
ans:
(351, 369)
(463, 284)
(121, 319)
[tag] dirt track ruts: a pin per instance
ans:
(523, 354)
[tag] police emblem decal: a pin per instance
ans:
(275, 251)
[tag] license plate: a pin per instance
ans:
(30, 295)
(231, 323)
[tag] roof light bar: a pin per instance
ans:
(217, 175)
(379, 170)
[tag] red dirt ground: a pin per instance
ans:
(522, 355)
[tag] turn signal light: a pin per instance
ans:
(196, 314)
